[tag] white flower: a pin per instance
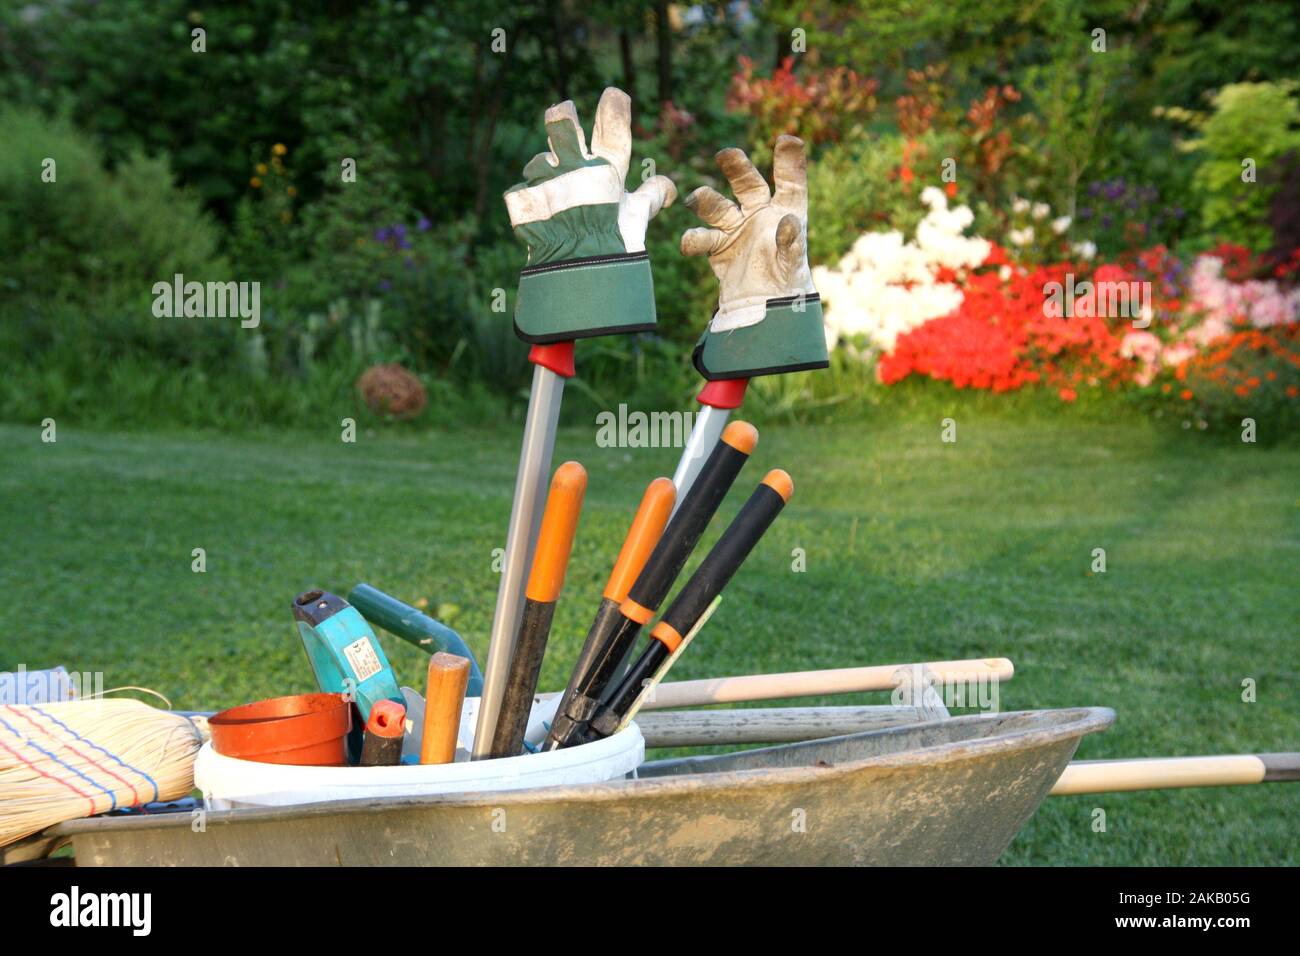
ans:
(885, 285)
(933, 196)
(1004, 273)
(1060, 224)
(1019, 205)
(1087, 249)
(1041, 210)
(1021, 237)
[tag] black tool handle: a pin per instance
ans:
(726, 557)
(316, 606)
(610, 714)
(521, 681)
(697, 509)
(377, 751)
(722, 562)
(575, 706)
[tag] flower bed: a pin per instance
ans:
(960, 309)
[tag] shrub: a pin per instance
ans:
(818, 105)
(869, 184)
(1251, 121)
(91, 235)
(1250, 373)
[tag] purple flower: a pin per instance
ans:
(424, 225)
(403, 243)
(383, 235)
(399, 231)
(385, 285)
(1085, 212)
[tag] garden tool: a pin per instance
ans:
(385, 730)
(587, 274)
(442, 706)
(693, 600)
(769, 316)
(344, 653)
(1169, 773)
(656, 578)
(647, 528)
(416, 628)
(839, 680)
(648, 686)
(554, 545)
(63, 760)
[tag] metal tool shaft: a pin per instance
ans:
(521, 538)
(709, 422)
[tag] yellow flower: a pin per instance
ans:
(292, 190)
(256, 182)
(286, 217)
(279, 149)
(261, 169)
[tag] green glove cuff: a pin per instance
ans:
(581, 298)
(788, 339)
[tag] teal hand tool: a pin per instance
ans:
(410, 625)
(344, 653)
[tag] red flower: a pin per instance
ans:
(1068, 394)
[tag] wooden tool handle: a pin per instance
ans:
(444, 699)
(843, 680)
(1167, 773)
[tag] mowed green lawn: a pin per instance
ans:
(915, 550)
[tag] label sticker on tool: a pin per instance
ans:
(361, 655)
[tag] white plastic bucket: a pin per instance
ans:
(228, 782)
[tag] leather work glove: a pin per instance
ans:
(588, 272)
(769, 316)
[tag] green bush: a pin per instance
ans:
(854, 187)
(1255, 121)
(90, 235)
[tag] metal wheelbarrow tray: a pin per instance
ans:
(944, 792)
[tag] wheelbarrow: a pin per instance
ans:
(951, 791)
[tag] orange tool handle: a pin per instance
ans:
(651, 517)
(443, 700)
(555, 540)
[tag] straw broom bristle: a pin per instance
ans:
(72, 759)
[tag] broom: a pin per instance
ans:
(71, 759)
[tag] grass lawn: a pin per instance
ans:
(916, 550)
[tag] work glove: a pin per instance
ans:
(769, 316)
(588, 272)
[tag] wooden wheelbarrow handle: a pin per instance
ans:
(1168, 773)
(845, 680)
